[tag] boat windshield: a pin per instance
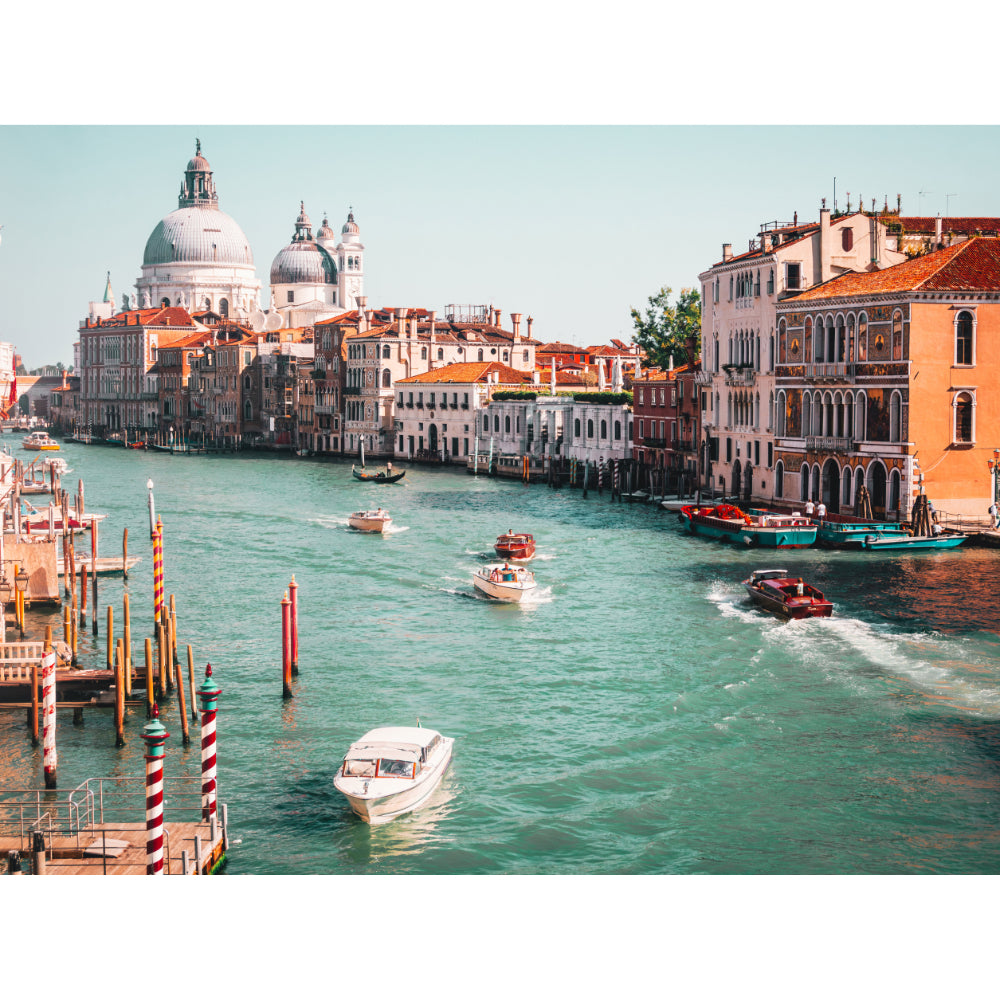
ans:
(396, 768)
(359, 769)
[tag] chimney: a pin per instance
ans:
(362, 303)
(499, 313)
(727, 251)
(362, 321)
(431, 354)
(530, 321)
(515, 319)
(937, 232)
(825, 270)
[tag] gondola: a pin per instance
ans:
(378, 477)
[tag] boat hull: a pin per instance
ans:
(521, 551)
(509, 591)
(912, 542)
(380, 803)
(373, 525)
(379, 477)
(794, 608)
(744, 530)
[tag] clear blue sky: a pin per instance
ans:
(572, 225)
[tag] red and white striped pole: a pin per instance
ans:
(294, 625)
(286, 646)
(208, 695)
(49, 756)
(155, 735)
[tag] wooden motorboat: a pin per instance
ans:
(39, 441)
(518, 546)
(764, 528)
(788, 596)
(393, 770)
(370, 520)
(385, 475)
(504, 582)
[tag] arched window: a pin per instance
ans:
(604, 429)
(963, 339)
(223, 307)
(860, 417)
(806, 413)
(386, 351)
(165, 303)
(862, 337)
(590, 428)
(423, 353)
(845, 496)
(893, 499)
(506, 423)
(576, 427)
(804, 482)
(247, 382)
(841, 339)
(486, 422)
(897, 336)
(847, 239)
(496, 424)
(815, 483)
(618, 430)
(782, 356)
(386, 379)
(964, 418)
(895, 415)
(440, 356)
(779, 479)
(247, 410)
(480, 358)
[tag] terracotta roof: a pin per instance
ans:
(469, 371)
(949, 224)
(558, 348)
(972, 265)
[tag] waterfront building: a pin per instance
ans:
(65, 404)
(118, 389)
(285, 360)
(740, 294)
(172, 373)
(221, 387)
(666, 420)
(437, 412)
(875, 369)
(197, 258)
(380, 347)
(313, 279)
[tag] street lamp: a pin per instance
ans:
(21, 581)
(152, 510)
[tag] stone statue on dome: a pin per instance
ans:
(145, 298)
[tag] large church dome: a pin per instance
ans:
(303, 261)
(203, 235)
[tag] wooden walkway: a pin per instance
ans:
(120, 849)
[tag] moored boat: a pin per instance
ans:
(385, 475)
(791, 597)
(393, 770)
(764, 528)
(844, 534)
(902, 542)
(39, 441)
(504, 582)
(370, 520)
(519, 546)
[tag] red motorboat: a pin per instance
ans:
(519, 546)
(788, 596)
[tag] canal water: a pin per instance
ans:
(637, 717)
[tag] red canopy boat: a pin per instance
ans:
(789, 596)
(515, 546)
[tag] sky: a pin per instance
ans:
(572, 225)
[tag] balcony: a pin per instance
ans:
(654, 442)
(839, 445)
(702, 378)
(838, 372)
(740, 375)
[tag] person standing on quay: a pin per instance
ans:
(809, 508)
(994, 515)
(821, 510)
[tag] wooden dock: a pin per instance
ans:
(81, 837)
(106, 565)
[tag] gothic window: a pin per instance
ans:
(964, 424)
(847, 238)
(618, 430)
(590, 428)
(386, 351)
(895, 414)
(779, 479)
(963, 339)
(897, 336)
(386, 379)
(604, 429)
(506, 424)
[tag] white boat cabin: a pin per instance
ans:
(393, 752)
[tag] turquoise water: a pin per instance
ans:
(637, 717)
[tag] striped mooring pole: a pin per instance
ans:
(49, 757)
(293, 588)
(208, 696)
(158, 572)
(155, 735)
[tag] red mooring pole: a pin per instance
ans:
(154, 734)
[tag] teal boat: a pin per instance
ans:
(763, 528)
(851, 535)
(898, 542)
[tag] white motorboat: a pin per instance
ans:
(392, 770)
(504, 582)
(370, 520)
(39, 441)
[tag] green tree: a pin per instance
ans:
(662, 333)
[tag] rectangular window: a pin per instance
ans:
(291, 296)
(770, 454)
(792, 276)
(729, 449)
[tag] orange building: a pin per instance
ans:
(891, 378)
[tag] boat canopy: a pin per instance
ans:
(378, 751)
(397, 742)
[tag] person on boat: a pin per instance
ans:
(507, 573)
(799, 589)
(809, 508)
(994, 514)
(821, 510)
(936, 528)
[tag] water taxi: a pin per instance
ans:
(519, 546)
(39, 441)
(504, 582)
(788, 596)
(393, 770)
(370, 520)
(763, 528)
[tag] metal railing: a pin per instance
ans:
(838, 370)
(840, 445)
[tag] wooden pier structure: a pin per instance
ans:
(92, 830)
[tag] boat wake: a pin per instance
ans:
(395, 529)
(947, 670)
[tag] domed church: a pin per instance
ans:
(198, 257)
(315, 278)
